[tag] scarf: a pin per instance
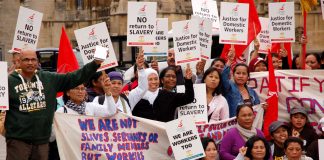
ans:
(245, 133)
(151, 96)
(77, 108)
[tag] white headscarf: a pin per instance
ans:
(149, 95)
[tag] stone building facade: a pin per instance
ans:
(75, 14)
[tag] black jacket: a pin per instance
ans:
(165, 104)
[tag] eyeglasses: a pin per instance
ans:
(33, 60)
(79, 89)
(170, 76)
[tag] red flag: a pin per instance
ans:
(254, 29)
(276, 47)
(66, 61)
(271, 113)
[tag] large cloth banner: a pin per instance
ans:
(295, 88)
(217, 130)
(113, 138)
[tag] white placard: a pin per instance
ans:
(205, 37)
(161, 45)
(101, 53)
(263, 36)
(234, 23)
(4, 98)
(206, 9)
(27, 29)
(90, 37)
(282, 22)
(322, 6)
(321, 148)
(184, 139)
(186, 41)
(197, 109)
(141, 23)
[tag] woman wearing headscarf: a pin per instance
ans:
(160, 104)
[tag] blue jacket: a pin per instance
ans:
(232, 93)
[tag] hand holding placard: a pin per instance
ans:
(140, 59)
(188, 72)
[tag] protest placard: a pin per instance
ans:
(162, 40)
(184, 139)
(141, 23)
(206, 9)
(296, 88)
(234, 23)
(118, 137)
(282, 22)
(263, 36)
(4, 98)
(321, 148)
(186, 41)
(205, 37)
(27, 29)
(198, 108)
(90, 37)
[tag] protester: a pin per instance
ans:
(219, 64)
(312, 149)
(171, 62)
(300, 126)
(236, 137)
(210, 149)
(217, 104)
(294, 148)
(313, 60)
(168, 79)
(134, 81)
(256, 148)
(258, 65)
(279, 133)
(237, 91)
(75, 103)
(94, 86)
(159, 104)
(296, 62)
(125, 103)
(32, 102)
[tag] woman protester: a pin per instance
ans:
(256, 148)
(294, 149)
(210, 149)
(300, 126)
(237, 91)
(168, 79)
(236, 137)
(160, 104)
(217, 104)
(134, 81)
(279, 134)
(313, 60)
(126, 103)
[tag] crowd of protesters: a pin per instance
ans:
(152, 94)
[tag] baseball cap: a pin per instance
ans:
(298, 110)
(275, 125)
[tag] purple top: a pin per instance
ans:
(232, 142)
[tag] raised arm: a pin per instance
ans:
(181, 99)
(136, 94)
(73, 79)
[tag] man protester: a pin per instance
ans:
(32, 103)
(171, 62)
